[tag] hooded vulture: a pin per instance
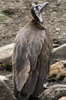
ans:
(31, 56)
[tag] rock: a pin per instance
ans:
(57, 71)
(57, 41)
(59, 53)
(54, 92)
(63, 98)
(3, 78)
(5, 93)
(58, 2)
(55, 45)
(6, 53)
(57, 29)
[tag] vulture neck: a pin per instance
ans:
(37, 24)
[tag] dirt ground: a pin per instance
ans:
(14, 14)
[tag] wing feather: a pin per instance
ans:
(25, 56)
(21, 65)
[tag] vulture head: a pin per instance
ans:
(36, 11)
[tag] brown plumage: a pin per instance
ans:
(31, 57)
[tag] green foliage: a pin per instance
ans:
(7, 67)
(3, 17)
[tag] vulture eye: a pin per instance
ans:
(37, 8)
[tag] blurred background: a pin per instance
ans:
(14, 14)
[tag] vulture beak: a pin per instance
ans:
(41, 6)
(36, 11)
